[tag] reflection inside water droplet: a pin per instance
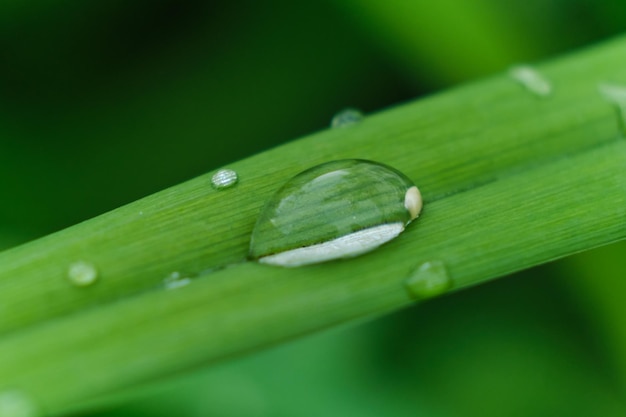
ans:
(82, 273)
(346, 117)
(532, 80)
(224, 178)
(16, 404)
(428, 280)
(335, 210)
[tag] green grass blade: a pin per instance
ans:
(510, 180)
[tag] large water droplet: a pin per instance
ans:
(82, 273)
(335, 210)
(16, 404)
(428, 280)
(532, 80)
(346, 117)
(616, 96)
(224, 178)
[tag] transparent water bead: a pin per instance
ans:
(428, 280)
(224, 178)
(175, 280)
(532, 80)
(346, 117)
(335, 210)
(82, 273)
(616, 95)
(16, 404)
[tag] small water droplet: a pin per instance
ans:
(82, 273)
(16, 404)
(335, 210)
(532, 80)
(346, 117)
(616, 96)
(428, 280)
(175, 280)
(224, 178)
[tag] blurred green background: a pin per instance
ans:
(102, 103)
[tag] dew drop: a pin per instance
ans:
(532, 80)
(224, 178)
(346, 117)
(339, 209)
(616, 96)
(175, 280)
(16, 404)
(82, 274)
(428, 280)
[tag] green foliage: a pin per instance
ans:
(509, 180)
(102, 103)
